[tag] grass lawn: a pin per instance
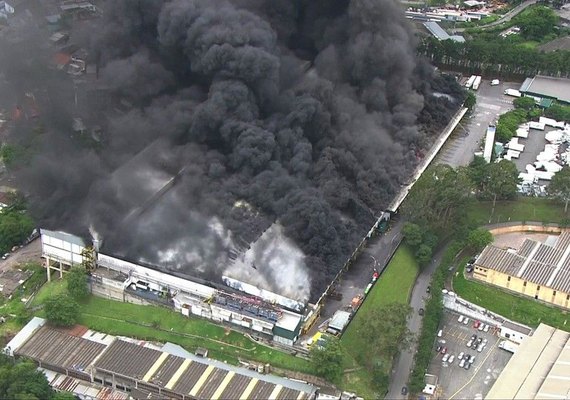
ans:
(49, 289)
(395, 285)
(160, 324)
(522, 209)
(517, 308)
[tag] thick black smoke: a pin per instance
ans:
(308, 114)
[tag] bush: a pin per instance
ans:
(61, 310)
(77, 283)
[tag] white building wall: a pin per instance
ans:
(512, 335)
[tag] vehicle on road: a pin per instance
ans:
(476, 83)
(421, 311)
(428, 289)
(495, 82)
(512, 93)
(404, 390)
(5, 256)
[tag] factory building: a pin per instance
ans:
(128, 368)
(538, 270)
(269, 315)
(538, 369)
(547, 87)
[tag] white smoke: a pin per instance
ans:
(274, 263)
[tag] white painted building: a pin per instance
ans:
(514, 332)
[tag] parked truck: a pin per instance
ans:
(476, 82)
(470, 81)
(513, 93)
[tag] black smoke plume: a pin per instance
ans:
(219, 120)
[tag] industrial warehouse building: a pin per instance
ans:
(538, 369)
(260, 312)
(144, 370)
(536, 269)
(547, 87)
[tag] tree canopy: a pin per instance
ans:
(21, 380)
(526, 103)
(479, 238)
(61, 310)
(559, 187)
(503, 178)
(386, 331)
(537, 22)
(15, 227)
(327, 360)
(76, 280)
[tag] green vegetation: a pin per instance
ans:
(394, 286)
(522, 209)
(432, 317)
(22, 380)
(420, 239)
(515, 307)
(76, 280)
(327, 360)
(536, 22)
(558, 112)
(497, 181)
(61, 310)
(164, 325)
(559, 187)
(478, 239)
(509, 122)
(15, 227)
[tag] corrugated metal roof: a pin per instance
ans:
(540, 263)
(558, 88)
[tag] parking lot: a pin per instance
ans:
(461, 382)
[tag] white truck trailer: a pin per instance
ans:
(513, 93)
(470, 81)
(477, 83)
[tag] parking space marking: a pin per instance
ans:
(495, 347)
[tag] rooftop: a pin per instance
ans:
(439, 33)
(539, 368)
(558, 88)
(544, 264)
(82, 351)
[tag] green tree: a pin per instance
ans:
(525, 103)
(537, 22)
(22, 380)
(386, 331)
(470, 100)
(478, 172)
(502, 181)
(327, 359)
(64, 396)
(76, 280)
(423, 254)
(413, 234)
(15, 227)
(479, 238)
(437, 199)
(61, 310)
(558, 112)
(559, 187)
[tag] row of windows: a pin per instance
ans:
(538, 289)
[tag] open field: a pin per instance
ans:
(394, 285)
(517, 308)
(160, 324)
(522, 209)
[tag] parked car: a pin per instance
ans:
(474, 337)
(470, 343)
(486, 328)
(460, 356)
(438, 349)
(474, 345)
(480, 348)
(467, 366)
(479, 341)
(461, 363)
(445, 358)
(465, 321)
(440, 333)
(476, 324)
(481, 327)
(460, 319)
(5, 256)
(485, 341)
(471, 359)
(421, 311)
(451, 358)
(444, 350)
(404, 390)
(428, 289)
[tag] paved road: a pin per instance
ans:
(505, 18)
(458, 151)
(405, 360)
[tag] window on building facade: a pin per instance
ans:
(509, 279)
(524, 283)
(537, 288)
(554, 293)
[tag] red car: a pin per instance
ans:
(444, 350)
(476, 324)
